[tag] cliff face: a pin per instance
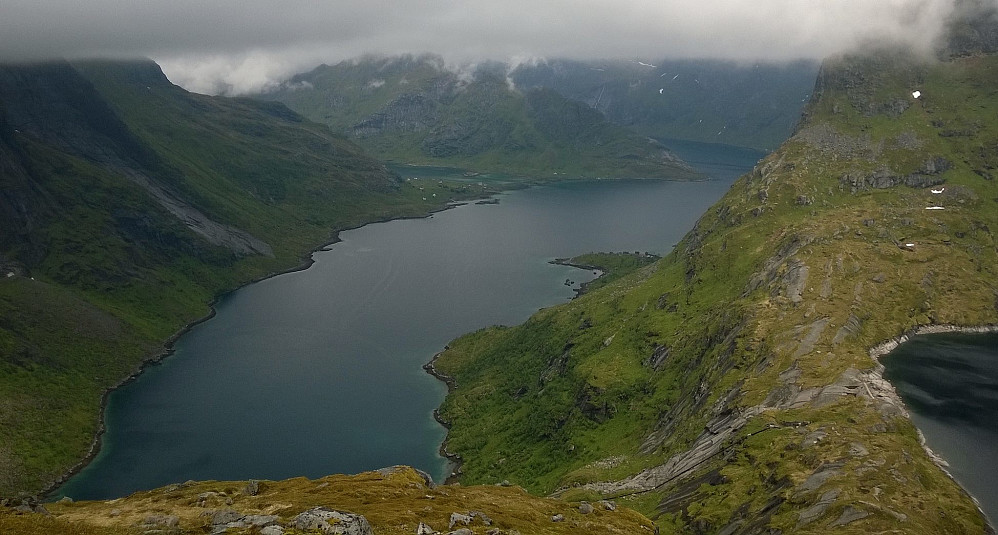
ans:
(730, 387)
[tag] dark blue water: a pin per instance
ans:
(319, 371)
(950, 384)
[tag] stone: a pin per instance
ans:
(272, 530)
(558, 518)
(332, 522)
(65, 500)
(820, 476)
(261, 520)
(849, 515)
(858, 450)
(817, 510)
(225, 516)
(252, 488)
(424, 529)
(585, 508)
(166, 521)
(608, 505)
(462, 531)
(482, 516)
(812, 439)
(458, 518)
(115, 512)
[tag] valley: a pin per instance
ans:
(731, 386)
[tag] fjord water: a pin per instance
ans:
(949, 383)
(319, 371)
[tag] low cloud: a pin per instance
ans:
(235, 46)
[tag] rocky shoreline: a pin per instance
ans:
(455, 461)
(884, 348)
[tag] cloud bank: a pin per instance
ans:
(236, 46)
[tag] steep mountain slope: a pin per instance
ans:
(127, 205)
(413, 110)
(749, 105)
(730, 387)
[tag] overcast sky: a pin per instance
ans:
(246, 44)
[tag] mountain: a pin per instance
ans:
(752, 105)
(729, 387)
(413, 110)
(126, 206)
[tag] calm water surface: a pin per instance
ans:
(319, 371)
(950, 384)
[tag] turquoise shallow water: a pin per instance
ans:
(950, 384)
(319, 371)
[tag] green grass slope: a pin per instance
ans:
(730, 387)
(413, 110)
(128, 205)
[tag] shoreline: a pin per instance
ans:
(583, 286)
(454, 460)
(884, 348)
(167, 349)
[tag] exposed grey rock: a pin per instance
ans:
(558, 518)
(252, 488)
(458, 518)
(811, 338)
(65, 500)
(333, 522)
(822, 475)
(482, 516)
(608, 505)
(462, 531)
(226, 516)
(851, 328)
(658, 357)
(424, 529)
(272, 530)
(795, 280)
(817, 510)
(585, 508)
(261, 520)
(879, 278)
(812, 439)
(858, 450)
(849, 514)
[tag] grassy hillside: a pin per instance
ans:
(127, 206)
(392, 501)
(729, 387)
(413, 110)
